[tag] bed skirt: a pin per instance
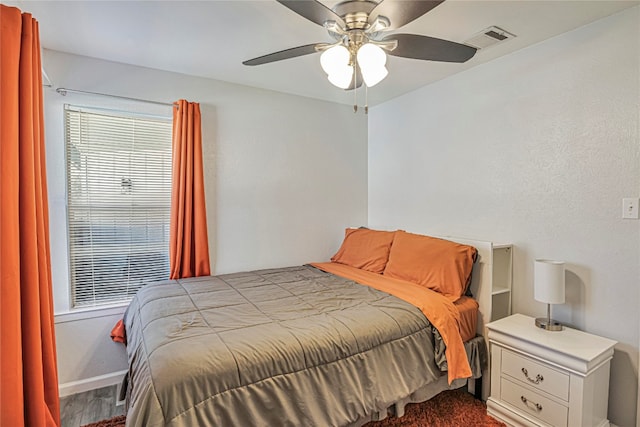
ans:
(476, 349)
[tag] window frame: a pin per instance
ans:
(75, 311)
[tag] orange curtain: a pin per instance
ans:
(188, 242)
(29, 386)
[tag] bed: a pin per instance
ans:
(335, 344)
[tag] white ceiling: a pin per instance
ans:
(212, 38)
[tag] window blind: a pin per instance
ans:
(118, 203)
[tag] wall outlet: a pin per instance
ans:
(630, 207)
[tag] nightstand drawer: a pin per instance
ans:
(533, 403)
(535, 375)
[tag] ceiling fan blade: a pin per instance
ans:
(401, 12)
(430, 48)
(313, 10)
(284, 54)
(356, 81)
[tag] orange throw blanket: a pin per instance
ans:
(440, 311)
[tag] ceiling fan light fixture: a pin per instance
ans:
(335, 62)
(360, 30)
(372, 60)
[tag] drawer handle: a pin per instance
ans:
(535, 405)
(539, 378)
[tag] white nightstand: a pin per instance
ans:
(544, 378)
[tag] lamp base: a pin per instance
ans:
(548, 324)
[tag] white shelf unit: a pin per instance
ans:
(491, 279)
(502, 277)
(491, 286)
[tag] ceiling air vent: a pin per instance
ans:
(489, 37)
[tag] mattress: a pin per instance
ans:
(290, 346)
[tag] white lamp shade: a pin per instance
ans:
(372, 60)
(334, 59)
(549, 281)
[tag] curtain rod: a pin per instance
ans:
(63, 91)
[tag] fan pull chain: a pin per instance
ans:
(355, 92)
(355, 88)
(366, 99)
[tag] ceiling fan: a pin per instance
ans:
(361, 30)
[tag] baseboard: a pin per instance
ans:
(92, 383)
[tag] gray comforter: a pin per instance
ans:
(292, 346)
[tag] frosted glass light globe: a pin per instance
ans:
(372, 60)
(341, 77)
(334, 59)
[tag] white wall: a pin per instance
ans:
(537, 148)
(284, 176)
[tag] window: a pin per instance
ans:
(118, 203)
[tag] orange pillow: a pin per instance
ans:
(365, 249)
(440, 265)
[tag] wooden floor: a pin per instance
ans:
(85, 408)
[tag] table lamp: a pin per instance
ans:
(549, 288)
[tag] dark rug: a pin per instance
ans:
(452, 408)
(118, 421)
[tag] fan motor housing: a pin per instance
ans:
(356, 21)
(354, 6)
